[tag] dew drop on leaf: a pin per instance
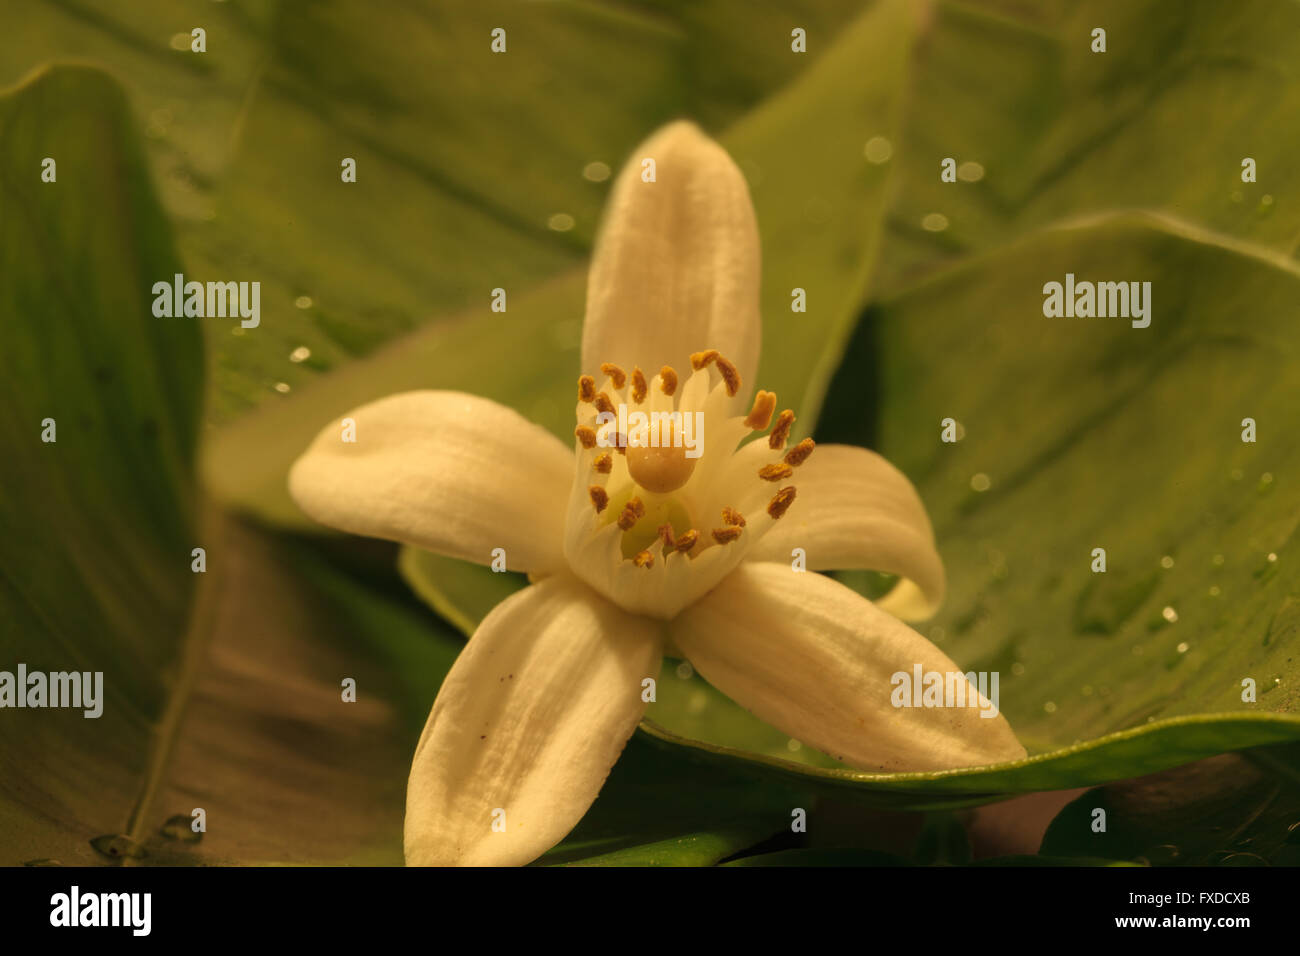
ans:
(181, 827)
(118, 846)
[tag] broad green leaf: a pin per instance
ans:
(1145, 749)
(1140, 431)
(463, 155)
(97, 526)
(1043, 128)
(263, 741)
(820, 204)
(220, 690)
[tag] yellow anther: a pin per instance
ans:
(632, 513)
(599, 497)
(760, 416)
(668, 380)
(604, 464)
(644, 559)
(666, 533)
(586, 388)
(781, 430)
(781, 502)
(605, 404)
(687, 541)
(800, 452)
(730, 376)
(725, 535)
(775, 472)
(585, 435)
(639, 386)
(701, 360)
(732, 517)
(615, 373)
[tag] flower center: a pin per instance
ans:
(663, 465)
(668, 495)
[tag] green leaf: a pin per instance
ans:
(97, 525)
(220, 690)
(463, 154)
(1162, 120)
(1144, 749)
(1199, 589)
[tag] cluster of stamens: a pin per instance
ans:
(661, 470)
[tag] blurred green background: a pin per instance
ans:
(478, 171)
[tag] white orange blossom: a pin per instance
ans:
(633, 550)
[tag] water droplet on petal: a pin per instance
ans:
(282, 387)
(300, 354)
(1169, 614)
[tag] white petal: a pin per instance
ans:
(529, 721)
(445, 471)
(815, 659)
(855, 510)
(676, 267)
